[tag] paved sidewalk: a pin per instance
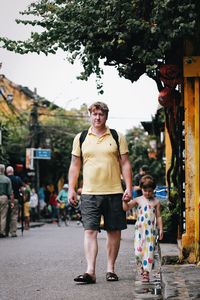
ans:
(179, 281)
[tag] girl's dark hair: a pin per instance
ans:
(147, 181)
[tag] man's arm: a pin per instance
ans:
(11, 194)
(74, 171)
(127, 176)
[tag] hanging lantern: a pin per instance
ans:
(170, 75)
(169, 97)
(165, 97)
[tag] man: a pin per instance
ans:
(144, 170)
(5, 195)
(16, 186)
(102, 193)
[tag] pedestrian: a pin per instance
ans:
(143, 170)
(17, 185)
(54, 207)
(41, 197)
(33, 205)
(6, 194)
(26, 198)
(104, 156)
(63, 208)
(148, 220)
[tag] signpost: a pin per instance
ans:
(29, 159)
(36, 153)
(42, 154)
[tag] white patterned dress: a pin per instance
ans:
(145, 233)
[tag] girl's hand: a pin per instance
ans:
(127, 195)
(126, 200)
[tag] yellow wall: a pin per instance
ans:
(21, 102)
(191, 67)
(168, 151)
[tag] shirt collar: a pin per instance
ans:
(105, 133)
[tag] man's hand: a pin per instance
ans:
(72, 197)
(127, 195)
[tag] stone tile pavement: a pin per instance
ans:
(178, 281)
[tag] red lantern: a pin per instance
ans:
(170, 75)
(165, 97)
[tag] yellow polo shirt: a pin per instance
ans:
(101, 169)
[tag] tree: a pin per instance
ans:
(55, 129)
(138, 142)
(4, 158)
(134, 36)
(58, 130)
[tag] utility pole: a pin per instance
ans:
(35, 137)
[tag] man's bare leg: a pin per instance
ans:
(113, 244)
(91, 250)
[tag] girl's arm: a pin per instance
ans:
(159, 221)
(129, 205)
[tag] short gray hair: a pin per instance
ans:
(2, 169)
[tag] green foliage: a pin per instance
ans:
(56, 130)
(4, 159)
(60, 130)
(14, 139)
(138, 143)
(130, 35)
(171, 217)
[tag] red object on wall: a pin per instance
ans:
(165, 97)
(170, 75)
(169, 97)
(19, 168)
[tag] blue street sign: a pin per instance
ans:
(42, 154)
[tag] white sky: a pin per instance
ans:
(55, 79)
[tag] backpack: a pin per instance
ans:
(85, 132)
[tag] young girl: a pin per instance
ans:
(148, 216)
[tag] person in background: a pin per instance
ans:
(41, 197)
(17, 185)
(103, 161)
(144, 170)
(63, 204)
(148, 219)
(33, 205)
(26, 197)
(6, 194)
(54, 207)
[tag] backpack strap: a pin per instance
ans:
(85, 132)
(115, 137)
(82, 138)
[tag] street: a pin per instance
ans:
(42, 263)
